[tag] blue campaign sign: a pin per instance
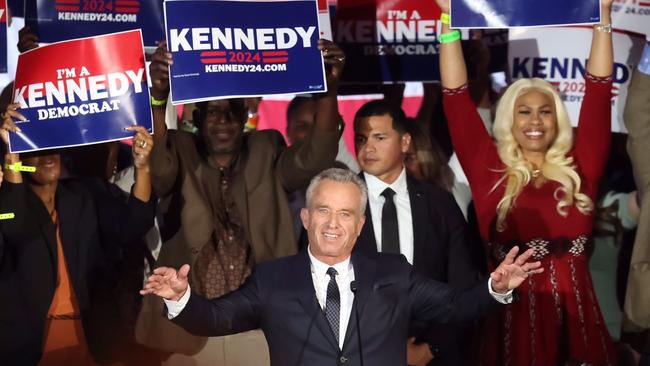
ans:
(73, 94)
(225, 49)
(59, 20)
(518, 13)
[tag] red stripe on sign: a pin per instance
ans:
(644, 4)
(127, 10)
(213, 60)
(213, 53)
(67, 1)
(66, 8)
(127, 3)
(275, 53)
(276, 60)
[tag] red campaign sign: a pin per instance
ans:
(81, 91)
(388, 41)
(3, 36)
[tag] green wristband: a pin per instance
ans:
(450, 37)
(444, 18)
(158, 103)
(19, 167)
(7, 216)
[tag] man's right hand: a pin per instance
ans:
(167, 283)
(159, 72)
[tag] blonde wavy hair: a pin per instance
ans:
(557, 165)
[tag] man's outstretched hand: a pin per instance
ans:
(167, 283)
(513, 270)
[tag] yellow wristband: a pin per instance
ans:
(7, 216)
(157, 102)
(449, 37)
(19, 167)
(444, 18)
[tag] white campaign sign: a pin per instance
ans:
(559, 55)
(631, 15)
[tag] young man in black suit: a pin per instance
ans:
(416, 219)
(327, 306)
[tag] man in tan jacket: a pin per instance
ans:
(223, 193)
(636, 322)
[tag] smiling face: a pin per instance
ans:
(380, 148)
(333, 220)
(534, 124)
(223, 126)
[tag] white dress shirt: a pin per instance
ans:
(403, 205)
(344, 278)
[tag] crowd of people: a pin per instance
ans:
(443, 239)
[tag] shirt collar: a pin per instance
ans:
(376, 186)
(320, 268)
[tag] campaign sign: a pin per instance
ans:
(536, 52)
(632, 15)
(388, 41)
(225, 49)
(75, 93)
(60, 20)
(324, 22)
(3, 36)
(518, 13)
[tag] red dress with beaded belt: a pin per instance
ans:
(556, 319)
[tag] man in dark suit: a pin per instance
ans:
(326, 306)
(416, 219)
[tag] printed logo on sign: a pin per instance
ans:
(98, 10)
(97, 93)
(570, 70)
(633, 7)
(241, 49)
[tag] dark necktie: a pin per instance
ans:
(333, 303)
(389, 228)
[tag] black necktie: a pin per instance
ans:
(389, 228)
(333, 303)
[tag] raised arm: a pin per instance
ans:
(601, 55)
(164, 162)
(472, 142)
(8, 126)
(300, 163)
(593, 135)
(453, 71)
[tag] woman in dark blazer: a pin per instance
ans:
(52, 251)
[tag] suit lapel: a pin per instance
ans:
(366, 240)
(69, 210)
(364, 274)
(304, 287)
(418, 217)
(46, 227)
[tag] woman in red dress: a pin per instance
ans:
(536, 188)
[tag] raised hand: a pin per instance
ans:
(335, 58)
(167, 283)
(159, 72)
(514, 270)
(8, 124)
(141, 147)
(27, 39)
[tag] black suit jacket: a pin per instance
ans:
(443, 251)
(280, 299)
(28, 257)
